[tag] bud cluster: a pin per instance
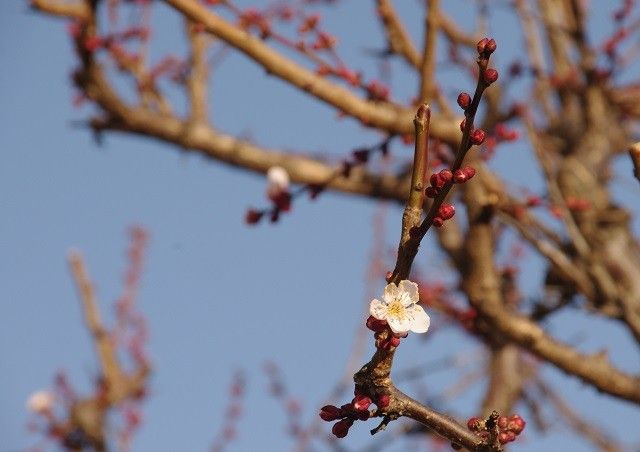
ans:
(446, 176)
(348, 413)
(385, 338)
(508, 427)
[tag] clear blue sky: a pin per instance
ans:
(218, 296)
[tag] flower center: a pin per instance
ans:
(395, 309)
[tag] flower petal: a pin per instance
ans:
(378, 309)
(420, 320)
(399, 325)
(411, 289)
(391, 292)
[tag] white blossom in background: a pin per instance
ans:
(278, 178)
(41, 402)
(400, 309)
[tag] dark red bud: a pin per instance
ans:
(383, 401)
(330, 413)
(431, 192)
(473, 424)
(446, 211)
(253, 216)
(464, 100)
(376, 325)
(478, 136)
(490, 75)
(361, 402)
(388, 276)
(394, 341)
(436, 181)
(341, 428)
(438, 222)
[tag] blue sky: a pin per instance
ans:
(218, 296)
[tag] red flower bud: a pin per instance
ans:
(383, 401)
(490, 75)
(361, 402)
(482, 45)
(459, 177)
(438, 222)
(464, 100)
(394, 341)
(469, 171)
(436, 180)
(446, 211)
(503, 438)
(502, 422)
(376, 325)
(490, 46)
(478, 136)
(330, 413)
(341, 428)
(431, 192)
(446, 175)
(473, 424)
(516, 424)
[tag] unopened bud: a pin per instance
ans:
(478, 136)
(464, 100)
(490, 75)
(341, 428)
(446, 211)
(330, 413)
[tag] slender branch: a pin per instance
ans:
(199, 73)
(77, 10)
(106, 352)
(398, 39)
(428, 67)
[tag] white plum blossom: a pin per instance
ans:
(400, 309)
(278, 178)
(41, 402)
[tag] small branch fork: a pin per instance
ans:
(374, 377)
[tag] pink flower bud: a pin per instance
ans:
(490, 75)
(478, 136)
(464, 100)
